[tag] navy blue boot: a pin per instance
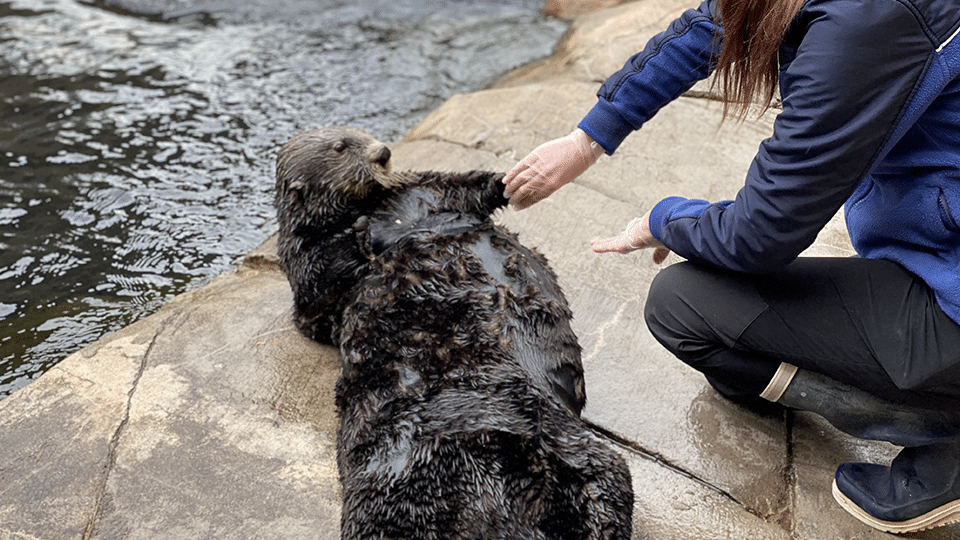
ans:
(919, 490)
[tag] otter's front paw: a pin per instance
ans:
(361, 229)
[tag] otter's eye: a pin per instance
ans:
(339, 147)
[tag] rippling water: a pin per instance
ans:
(137, 148)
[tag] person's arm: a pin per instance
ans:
(853, 74)
(636, 235)
(549, 167)
(669, 65)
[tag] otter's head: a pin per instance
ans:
(330, 167)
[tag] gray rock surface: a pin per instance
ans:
(214, 418)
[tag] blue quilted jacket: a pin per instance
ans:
(871, 119)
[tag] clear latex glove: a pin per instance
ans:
(635, 236)
(549, 167)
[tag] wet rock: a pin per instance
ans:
(569, 9)
(213, 417)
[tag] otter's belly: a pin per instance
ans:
(480, 289)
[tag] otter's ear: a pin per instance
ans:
(294, 190)
(296, 185)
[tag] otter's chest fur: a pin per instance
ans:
(450, 288)
(462, 387)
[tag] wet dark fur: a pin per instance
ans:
(462, 382)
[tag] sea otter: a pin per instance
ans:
(462, 385)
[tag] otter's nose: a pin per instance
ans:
(382, 156)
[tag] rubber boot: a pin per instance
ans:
(918, 491)
(860, 413)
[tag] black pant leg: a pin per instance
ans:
(698, 314)
(869, 323)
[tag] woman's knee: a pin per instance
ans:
(690, 305)
(663, 311)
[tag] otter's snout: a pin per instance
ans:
(382, 156)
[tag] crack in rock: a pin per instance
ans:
(636, 448)
(115, 439)
(782, 517)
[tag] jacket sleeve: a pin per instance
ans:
(670, 64)
(855, 65)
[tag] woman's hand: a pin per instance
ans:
(635, 236)
(549, 167)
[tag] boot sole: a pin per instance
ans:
(944, 515)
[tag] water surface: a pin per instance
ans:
(138, 137)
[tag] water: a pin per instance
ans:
(137, 145)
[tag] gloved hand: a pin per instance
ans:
(549, 167)
(635, 236)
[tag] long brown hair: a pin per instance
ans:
(748, 65)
